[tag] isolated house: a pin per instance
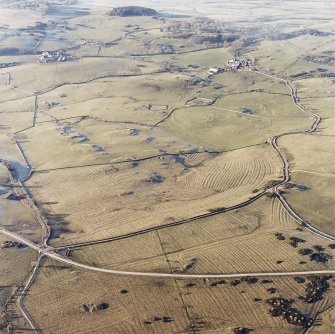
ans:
(215, 70)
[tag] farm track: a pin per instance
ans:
(9, 85)
(105, 76)
(24, 292)
(21, 191)
(164, 226)
(85, 117)
(142, 159)
(35, 110)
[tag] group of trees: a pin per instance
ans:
(202, 31)
(133, 11)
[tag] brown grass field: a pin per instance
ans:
(228, 242)
(140, 158)
(57, 297)
(160, 190)
(313, 204)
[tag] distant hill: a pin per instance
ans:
(132, 11)
(297, 33)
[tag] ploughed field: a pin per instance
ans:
(130, 196)
(164, 143)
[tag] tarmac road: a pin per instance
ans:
(51, 254)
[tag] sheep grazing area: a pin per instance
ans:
(167, 168)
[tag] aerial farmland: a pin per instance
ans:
(167, 167)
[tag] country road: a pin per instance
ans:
(286, 172)
(51, 254)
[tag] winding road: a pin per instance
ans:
(49, 252)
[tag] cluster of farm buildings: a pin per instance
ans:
(233, 65)
(54, 56)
